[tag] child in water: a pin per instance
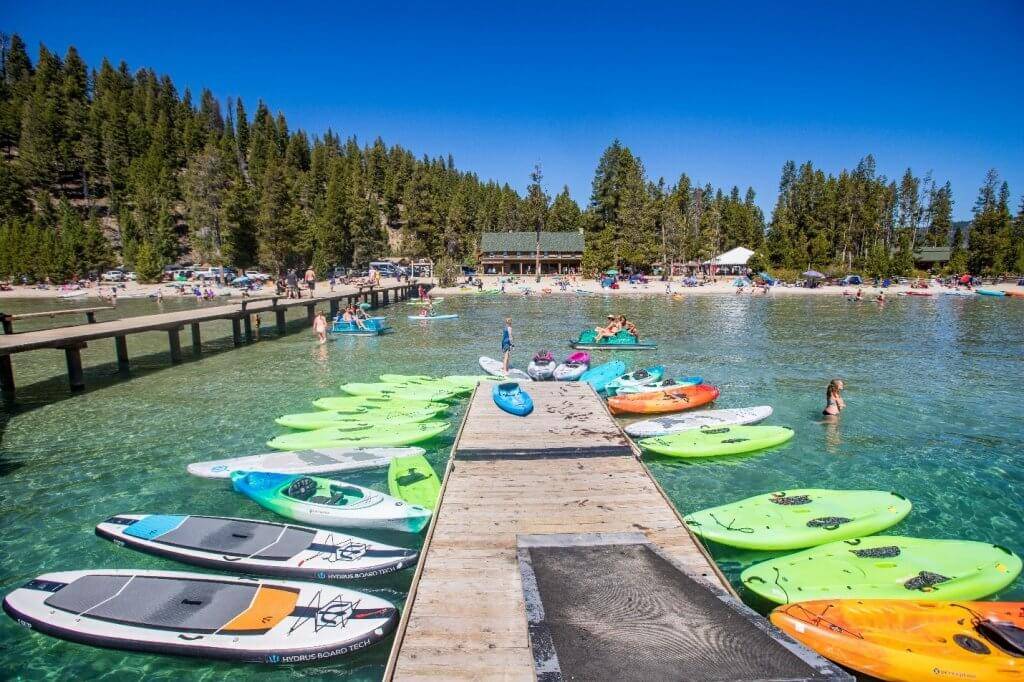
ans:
(320, 327)
(833, 398)
(506, 344)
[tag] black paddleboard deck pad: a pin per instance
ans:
(613, 606)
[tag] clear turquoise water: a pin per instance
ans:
(934, 412)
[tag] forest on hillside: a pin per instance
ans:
(109, 166)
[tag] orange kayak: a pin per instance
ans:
(670, 400)
(1016, 294)
(896, 639)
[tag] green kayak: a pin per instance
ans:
(795, 519)
(468, 381)
(365, 404)
(431, 391)
(375, 436)
(721, 440)
(406, 378)
(307, 421)
(413, 479)
(886, 567)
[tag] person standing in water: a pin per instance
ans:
(834, 403)
(506, 344)
(320, 327)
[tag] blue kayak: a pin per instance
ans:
(511, 397)
(601, 375)
(991, 292)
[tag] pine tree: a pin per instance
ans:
(275, 220)
(239, 239)
(939, 216)
(565, 215)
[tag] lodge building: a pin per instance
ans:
(515, 253)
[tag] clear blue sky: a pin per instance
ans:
(725, 94)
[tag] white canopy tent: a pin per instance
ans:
(733, 261)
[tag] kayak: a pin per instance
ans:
(259, 547)
(374, 403)
(467, 381)
(512, 398)
(991, 292)
(322, 419)
(542, 366)
(675, 423)
(494, 368)
(621, 341)
(207, 616)
(640, 377)
(670, 400)
(717, 441)
(573, 367)
(422, 302)
(1014, 294)
(917, 293)
(321, 461)
(660, 385)
(899, 639)
(426, 318)
(886, 567)
(413, 479)
(428, 392)
(600, 375)
(406, 378)
(328, 502)
(959, 292)
(796, 519)
(375, 436)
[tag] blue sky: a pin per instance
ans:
(726, 94)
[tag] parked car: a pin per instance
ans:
(113, 276)
(257, 275)
(226, 274)
(851, 280)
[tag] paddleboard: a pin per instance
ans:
(413, 479)
(670, 400)
(494, 368)
(428, 392)
(329, 502)
(599, 375)
(322, 419)
(893, 639)
(717, 441)
(320, 461)
(206, 616)
(990, 292)
(258, 547)
(676, 423)
(399, 434)
(886, 567)
(375, 403)
(431, 318)
(800, 518)
(422, 302)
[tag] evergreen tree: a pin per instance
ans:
(939, 216)
(565, 215)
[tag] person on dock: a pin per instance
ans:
(834, 403)
(506, 344)
(293, 284)
(310, 278)
(320, 327)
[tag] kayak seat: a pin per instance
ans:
(301, 488)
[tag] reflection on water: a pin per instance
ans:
(933, 412)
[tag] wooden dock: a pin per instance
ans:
(566, 468)
(72, 339)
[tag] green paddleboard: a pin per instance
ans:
(406, 378)
(429, 391)
(886, 567)
(364, 404)
(373, 437)
(717, 441)
(307, 421)
(413, 479)
(795, 519)
(468, 381)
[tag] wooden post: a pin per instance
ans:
(236, 331)
(310, 312)
(73, 355)
(197, 339)
(90, 316)
(334, 308)
(247, 320)
(8, 321)
(6, 376)
(175, 342)
(376, 298)
(279, 314)
(387, 296)
(121, 344)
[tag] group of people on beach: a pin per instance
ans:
(616, 323)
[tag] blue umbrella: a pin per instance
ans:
(813, 274)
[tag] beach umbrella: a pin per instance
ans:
(813, 274)
(612, 271)
(766, 277)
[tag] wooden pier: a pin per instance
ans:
(566, 468)
(72, 339)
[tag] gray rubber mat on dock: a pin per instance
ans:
(612, 606)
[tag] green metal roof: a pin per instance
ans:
(929, 254)
(526, 242)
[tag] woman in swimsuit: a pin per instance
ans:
(833, 398)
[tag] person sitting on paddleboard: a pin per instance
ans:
(506, 344)
(833, 398)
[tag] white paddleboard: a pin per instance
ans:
(675, 423)
(495, 368)
(321, 461)
(202, 615)
(258, 547)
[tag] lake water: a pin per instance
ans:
(934, 413)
